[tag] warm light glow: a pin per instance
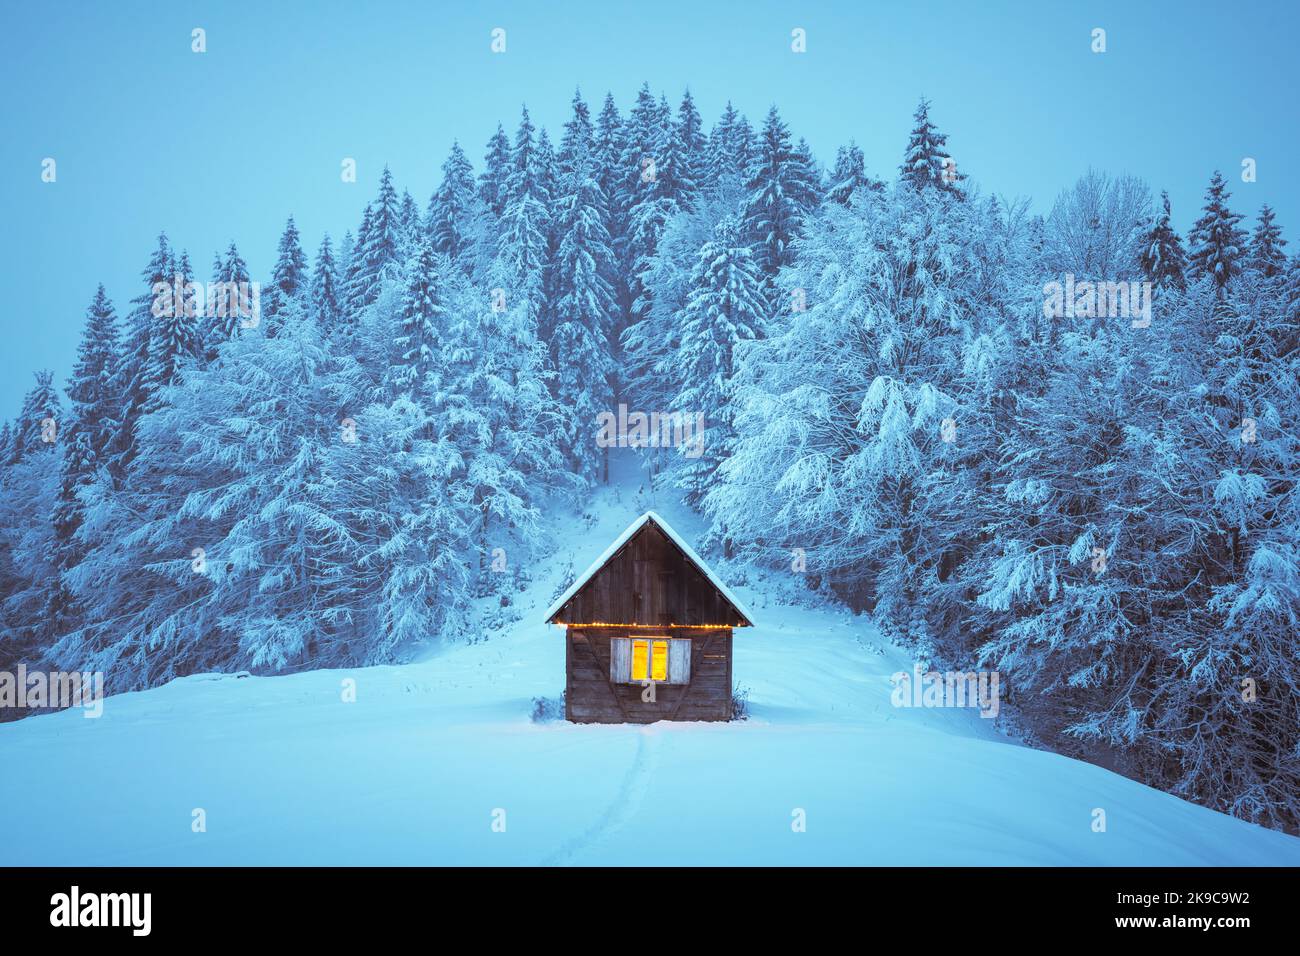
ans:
(649, 658)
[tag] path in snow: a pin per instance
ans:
(626, 802)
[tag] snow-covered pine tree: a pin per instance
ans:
(638, 170)
(524, 238)
(1266, 255)
(578, 160)
(610, 143)
(926, 161)
(677, 187)
(725, 307)
(582, 317)
(412, 225)
(454, 209)
(548, 182)
(496, 172)
(649, 359)
(289, 277)
(93, 419)
(40, 421)
(849, 175)
(691, 144)
(746, 146)
(835, 442)
(415, 366)
(782, 193)
(133, 365)
(29, 489)
(354, 289)
(231, 303)
(547, 167)
(325, 306)
(497, 414)
(174, 342)
(608, 146)
(658, 188)
(380, 245)
(811, 173)
(1162, 257)
(343, 261)
(729, 149)
(1218, 244)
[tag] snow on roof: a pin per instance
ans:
(623, 539)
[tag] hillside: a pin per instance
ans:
(413, 770)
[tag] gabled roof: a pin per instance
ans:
(624, 538)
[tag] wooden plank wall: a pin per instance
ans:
(649, 582)
(590, 696)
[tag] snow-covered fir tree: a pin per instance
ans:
(849, 175)
(289, 278)
(691, 142)
(782, 193)
(380, 245)
(29, 491)
(638, 195)
(730, 147)
(496, 172)
(40, 420)
(454, 209)
(724, 308)
(132, 372)
(610, 143)
(1218, 244)
(325, 305)
(1266, 244)
(496, 412)
(95, 414)
(927, 163)
(1163, 260)
(174, 339)
(412, 224)
(523, 240)
(579, 336)
(416, 365)
(230, 306)
(354, 290)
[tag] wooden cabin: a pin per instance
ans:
(648, 632)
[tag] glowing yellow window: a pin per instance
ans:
(649, 660)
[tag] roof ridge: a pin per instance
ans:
(618, 543)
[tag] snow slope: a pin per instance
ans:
(413, 771)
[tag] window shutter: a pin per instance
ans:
(620, 660)
(679, 661)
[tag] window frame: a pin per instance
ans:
(684, 646)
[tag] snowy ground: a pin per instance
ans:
(414, 770)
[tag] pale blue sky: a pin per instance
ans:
(149, 136)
